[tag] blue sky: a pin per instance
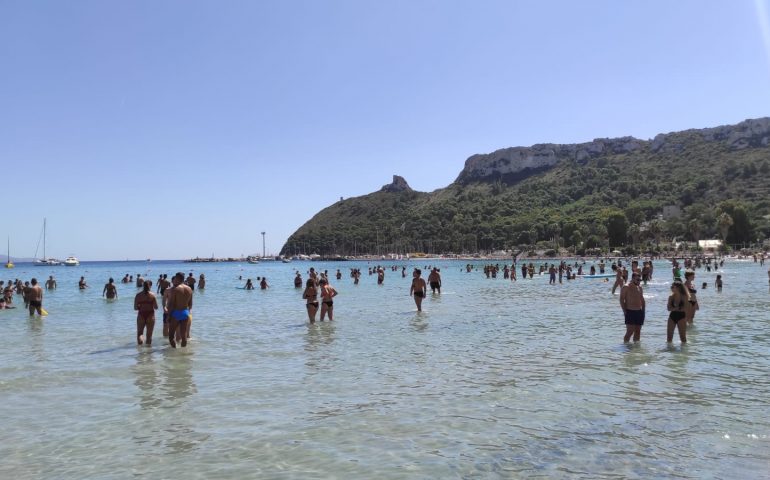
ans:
(170, 129)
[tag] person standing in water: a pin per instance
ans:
(34, 296)
(163, 284)
(418, 288)
(677, 307)
(434, 279)
(145, 304)
(327, 303)
(311, 297)
(689, 284)
(190, 281)
(50, 284)
(179, 307)
(618, 278)
(201, 281)
(82, 285)
(110, 290)
(632, 303)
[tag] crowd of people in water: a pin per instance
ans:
(176, 295)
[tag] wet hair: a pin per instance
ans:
(179, 275)
(34, 281)
(322, 281)
(309, 283)
(418, 271)
(146, 286)
(111, 280)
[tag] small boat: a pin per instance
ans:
(8, 263)
(252, 260)
(71, 261)
(285, 260)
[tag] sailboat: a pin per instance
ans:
(45, 261)
(8, 263)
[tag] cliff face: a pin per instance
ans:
(518, 196)
(511, 165)
(749, 133)
(398, 185)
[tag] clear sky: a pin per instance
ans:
(170, 129)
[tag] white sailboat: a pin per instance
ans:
(45, 261)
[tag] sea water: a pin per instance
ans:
(494, 379)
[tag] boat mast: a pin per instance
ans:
(44, 257)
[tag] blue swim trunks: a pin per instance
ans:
(181, 315)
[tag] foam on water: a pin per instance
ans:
(495, 379)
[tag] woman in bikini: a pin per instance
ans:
(689, 284)
(677, 306)
(327, 304)
(145, 303)
(311, 296)
(110, 290)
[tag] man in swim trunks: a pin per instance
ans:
(34, 295)
(418, 288)
(179, 305)
(632, 303)
(163, 284)
(434, 279)
(190, 281)
(50, 284)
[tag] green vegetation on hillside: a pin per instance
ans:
(611, 201)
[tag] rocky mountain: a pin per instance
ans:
(607, 192)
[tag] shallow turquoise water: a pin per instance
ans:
(493, 380)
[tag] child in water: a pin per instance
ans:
(718, 283)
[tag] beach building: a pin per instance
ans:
(710, 245)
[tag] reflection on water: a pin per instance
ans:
(165, 383)
(177, 383)
(147, 379)
(319, 334)
(419, 323)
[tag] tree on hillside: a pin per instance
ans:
(576, 238)
(634, 232)
(694, 228)
(741, 230)
(656, 229)
(617, 228)
(554, 230)
(724, 222)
